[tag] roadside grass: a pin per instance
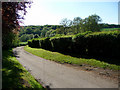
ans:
(14, 75)
(58, 57)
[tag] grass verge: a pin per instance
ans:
(15, 75)
(58, 57)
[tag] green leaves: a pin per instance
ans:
(102, 44)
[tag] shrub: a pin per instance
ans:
(96, 44)
(104, 43)
(30, 43)
(79, 43)
(34, 43)
(62, 44)
(45, 43)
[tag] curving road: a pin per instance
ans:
(56, 75)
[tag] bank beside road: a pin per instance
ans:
(14, 75)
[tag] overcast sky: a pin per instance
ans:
(51, 12)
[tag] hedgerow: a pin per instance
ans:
(61, 43)
(89, 43)
(104, 43)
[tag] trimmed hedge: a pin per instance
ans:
(90, 43)
(104, 44)
(40, 43)
(62, 44)
(34, 43)
(80, 43)
(45, 43)
(30, 43)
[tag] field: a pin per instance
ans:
(23, 43)
(110, 29)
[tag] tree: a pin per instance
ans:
(92, 23)
(36, 36)
(50, 33)
(65, 23)
(10, 21)
(26, 37)
(77, 21)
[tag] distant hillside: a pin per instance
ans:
(30, 32)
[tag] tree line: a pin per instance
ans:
(66, 27)
(29, 32)
(12, 31)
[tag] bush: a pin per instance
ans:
(30, 43)
(62, 44)
(45, 43)
(104, 43)
(35, 43)
(79, 43)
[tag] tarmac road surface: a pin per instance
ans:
(55, 75)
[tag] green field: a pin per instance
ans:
(110, 29)
(58, 57)
(23, 43)
(15, 75)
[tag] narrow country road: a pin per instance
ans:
(56, 75)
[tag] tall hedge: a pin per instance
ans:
(34, 43)
(45, 43)
(80, 43)
(105, 44)
(30, 43)
(62, 44)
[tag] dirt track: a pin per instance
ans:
(56, 75)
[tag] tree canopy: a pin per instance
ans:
(67, 27)
(10, 21)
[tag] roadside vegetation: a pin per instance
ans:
(97, 44)
(58, 57)
(68, 36)
(15, 75)
(80, 41)
(101, 44)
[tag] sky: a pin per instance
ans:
(51, 12)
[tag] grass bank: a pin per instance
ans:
(58, 57)
(15, 75)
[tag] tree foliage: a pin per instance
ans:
(10, 21)
(42, 31)
(79, 25)
(67, 27)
